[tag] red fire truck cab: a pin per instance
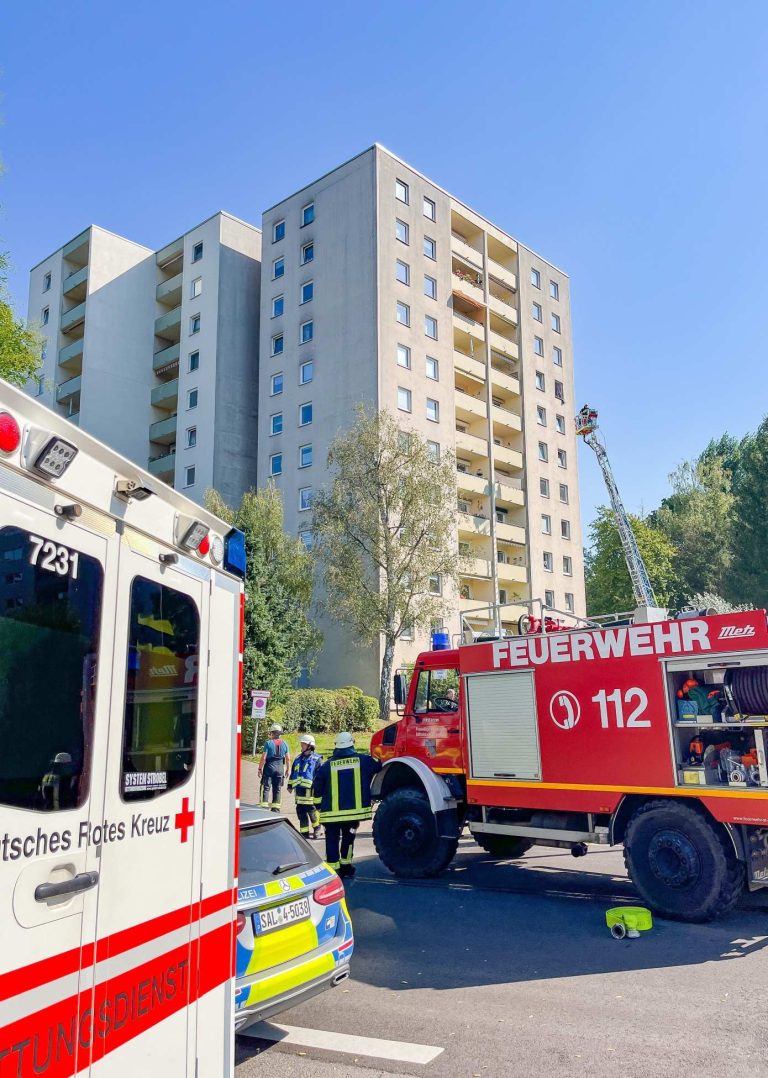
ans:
(648, 734)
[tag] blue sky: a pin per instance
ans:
(624, 141)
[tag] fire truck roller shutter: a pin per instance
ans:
(503, 728)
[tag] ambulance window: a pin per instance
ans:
(161, 691)
(50, 608)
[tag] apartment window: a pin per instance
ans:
(535, 278)
(194, 324)
(555, 319)
(430, 287)
(433, 368)
(191, 437)
(433, 448)
(502, 596)
(305, 456)
(278, 344)
(546, 524)
(276, 464)
(307, 253)
(305, 414)
(430, 248)
(404, 356)
(47, 283)
(45, 315)
(307, 332)
(278, 306)
(430, 326)
(430, 210)
(406, 633)
(548, 562)
(401, 231)
(402, 272)
(564, 493)
(307, 292)
(536, 311)
(276, 423)
(276, 385)
(401, 191)
(189, 476)
(549, 598)
(567, 565)
(278, 231)
(307, 214)
(544, 487)
(562, 458)
(433, 410)
(557, 356)
(307, 538)
(194, 361)
(306, 372)
(196, 288)
(569, 602)
(403, 441)
(541, 415)
(538, 346)
(403, 314)
(560, 424)
(540, 382)
(554, 290)
(404, 399)
(560, 392)
(565, 529)
(197, 252)
(543, 451)
(192, 398)
(278, 268)
(40, 387)
(436, 584)
(305, 499)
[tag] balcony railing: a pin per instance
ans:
(163, 465)
(69, 388)
(166, 358)
(167, 325)
(72, 318)
(74, 280)
(166, 395)
(70, 353)
(164, 430)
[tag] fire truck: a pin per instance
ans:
(121, 609)
(646, 731)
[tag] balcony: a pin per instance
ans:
(167, 395)
(72, 354)
(506, 347)
(472, 525)
(170, 253)
(513, 572)
(509, 533)
(73, 318)
(464, 283)
(502, 274)
(508, 489)
(503, 309)
(462, 248)
(476, 567)
(163, 467)
(75, 286)
(68, 389)
(508, 382)
(506, 418)
(473, 406)
(76, 251)
(164, 431)
(468, 325)
(470, 365)
(503, 454)
(477, 447)
(471, 483)
(169, 292)
(164, 360)
(168, 326)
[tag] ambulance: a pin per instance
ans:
(121, 606)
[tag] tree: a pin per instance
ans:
(385, 534)
(749, 533)
(20, 345)
(708, 600)
(609, 587)
(280, 638)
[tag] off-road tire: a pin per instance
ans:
(502, 846)
(682, 863)
(406, 838)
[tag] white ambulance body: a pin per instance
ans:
(120, 679)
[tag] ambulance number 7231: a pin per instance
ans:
(53, 558)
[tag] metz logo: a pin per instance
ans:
(731, 632)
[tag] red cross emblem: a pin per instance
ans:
(184, 819)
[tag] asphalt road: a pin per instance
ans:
(509, 969)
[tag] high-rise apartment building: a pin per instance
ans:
(378, 285)
(156, 352)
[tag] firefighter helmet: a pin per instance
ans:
(344, 740)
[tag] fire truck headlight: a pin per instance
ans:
(54, 458)
(234, 552)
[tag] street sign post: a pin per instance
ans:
(259, 698)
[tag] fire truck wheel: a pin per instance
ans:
(502, 845)
(682, 863)
(406, 838)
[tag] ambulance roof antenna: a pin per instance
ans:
(586, 427)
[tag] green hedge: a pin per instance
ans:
(321, 711)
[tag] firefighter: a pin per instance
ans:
(342, 793)
(302, 775)
(274, 767)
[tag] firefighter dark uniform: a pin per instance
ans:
(273, 773)
(342, 793)
(301, 778)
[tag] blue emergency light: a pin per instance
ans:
(234, 552)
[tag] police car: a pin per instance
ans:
(294, 933)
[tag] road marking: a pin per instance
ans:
(401, 1051)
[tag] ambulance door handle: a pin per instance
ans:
(83, 881)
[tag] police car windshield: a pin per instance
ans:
(267, 850)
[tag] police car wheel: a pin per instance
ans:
(406, 838)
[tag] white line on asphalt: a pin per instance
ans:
(401, 1051)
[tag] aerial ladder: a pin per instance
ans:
(586, 427)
